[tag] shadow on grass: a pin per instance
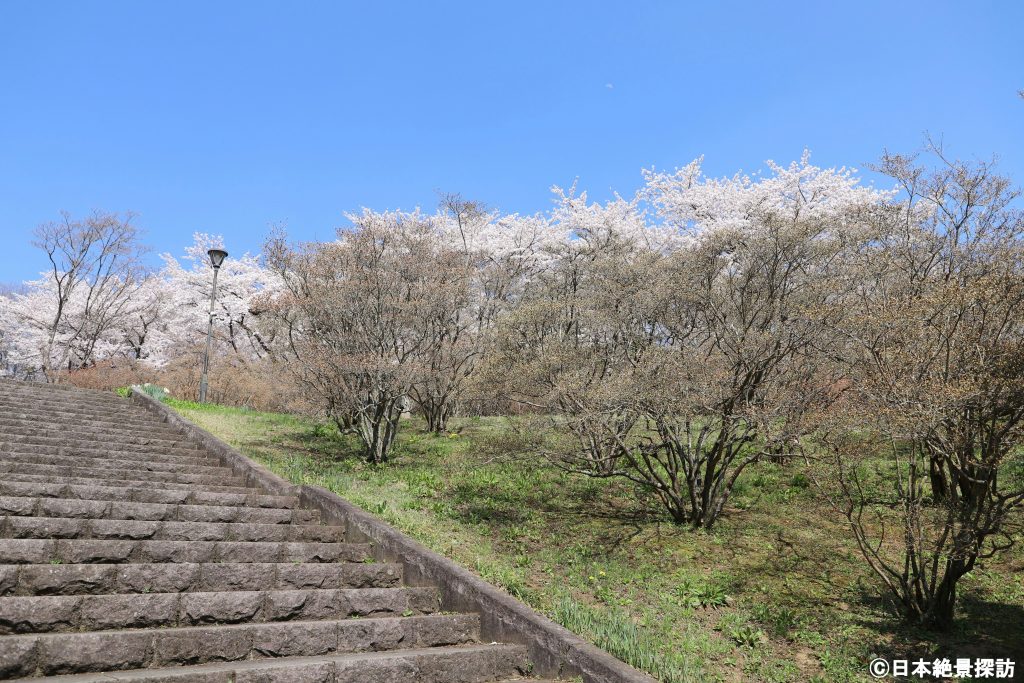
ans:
(325, 443)
(982, 629)
(995, 628)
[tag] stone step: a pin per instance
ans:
(88, 397)
(184, 496)
(73, 444)
(114, 461)
(128, 413)
(17, 384)
(21, 451)
(116, 509)
(82, 436)
(138, 530)
(68, 420)
(125, 546)
(456, 664)
(128, 483)
(157, 430)
(114, 403)
(28, 580)
(63, 613)
(107, 474)
(50, 392)
(53, 551)
(66, 653)
(101, 448)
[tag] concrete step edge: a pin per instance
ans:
(94, 612)
(63, 653)
(155, 427)
(126, 483)
(104, 474)
(42, 506)
(466, 663)
(44, 436)
(113, 461)
(64, 551)
(23, 527)
(144, 495)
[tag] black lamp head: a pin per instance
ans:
(217, 257)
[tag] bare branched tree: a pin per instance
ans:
(933, 414)
(677, 370)
(363, 318)
(94, 270)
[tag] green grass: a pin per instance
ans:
(776, 593)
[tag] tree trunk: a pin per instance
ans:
(377, 425)
(437, 417)
(937, 476)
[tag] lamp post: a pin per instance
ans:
(217, 257)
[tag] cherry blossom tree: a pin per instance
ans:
(187, 285)
(678, 352)
(68, 318)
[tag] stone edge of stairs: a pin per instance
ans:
(554, 650)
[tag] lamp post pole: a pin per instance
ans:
(217, 257)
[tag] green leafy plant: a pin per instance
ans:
(695, 594)
(745, 635)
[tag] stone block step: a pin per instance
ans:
(113, 404)
(65, 653)
(18, 387)
(63, 613)
(160, 430)
(107, 474)
(129, 552)
(28, 580)
(65, 417)
(184, 496)
(107, 424)
(89, 398)
(71, 442)
(86, 551)
(113, 451)
(127, 483)
(14, 527)
(116, 509)
(456, 664)
(64, 422)
(85, 440)
(114, 461)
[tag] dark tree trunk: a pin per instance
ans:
(437, 420)
(938, 478)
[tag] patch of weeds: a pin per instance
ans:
(694, 593)
(738, 628)
(781, 621)
(615, 632)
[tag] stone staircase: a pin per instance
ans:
(127, 553)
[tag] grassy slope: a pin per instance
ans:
(776, 593)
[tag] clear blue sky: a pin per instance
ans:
(230, 117)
